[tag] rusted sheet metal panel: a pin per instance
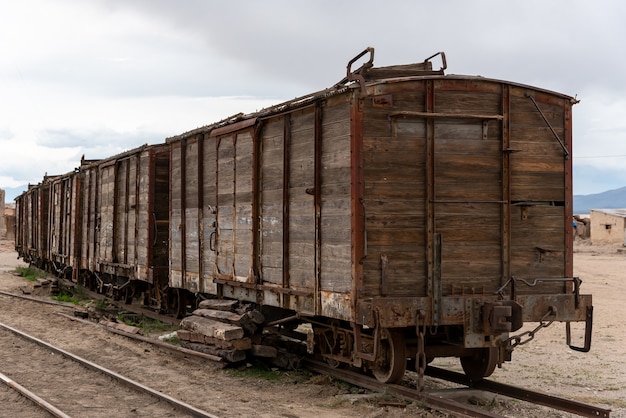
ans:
(564, 305)
(392, 312)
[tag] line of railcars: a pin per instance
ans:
(404, 213)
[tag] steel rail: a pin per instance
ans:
(48, 407)
(538, 398)
(433, 401)
(181, 406)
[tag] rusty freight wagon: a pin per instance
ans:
(124, 218)
(404, 213)
(63, 223)
(32, 217)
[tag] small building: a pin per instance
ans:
(3, 228)
(608, 226)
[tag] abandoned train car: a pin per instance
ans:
(399, 198)
(403, 212)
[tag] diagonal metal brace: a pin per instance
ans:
(532, 99)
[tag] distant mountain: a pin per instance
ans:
(611, 199)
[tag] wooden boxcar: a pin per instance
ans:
(399, 200)
(32, 217)
(124, 223)
(63, 223)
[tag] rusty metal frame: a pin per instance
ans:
(151, 213)
(317, 201)
(286, 178)
(357, 188)
(200, 199)
(183, 212)
(569, 205)
(545, 119)
(430, 198)
(506, 184)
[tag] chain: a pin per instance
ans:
(516, 340)
(420, 360)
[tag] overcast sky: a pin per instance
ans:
(97, 77)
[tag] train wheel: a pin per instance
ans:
(390, 363)
(129, 292)
(178, 305)
(480, 364)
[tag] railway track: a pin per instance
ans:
(15, 404)
(437, 399)
(66, 385)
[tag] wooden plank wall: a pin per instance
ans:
(301, 207)
(89, 227)
(271, 201)
(42, 223)
(209, 211)
(538, 179)
(225, 205)
(55, 218)
(336, 248)
(243, 234)
(288, 145)
(104, 252)
(469, 197)
(158, 233)
(234, 206)
(468, 187)
(394, 161)
(192, 210)
(176, 220)
(287, 210)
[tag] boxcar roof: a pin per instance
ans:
(242, 120)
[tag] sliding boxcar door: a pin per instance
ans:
(234, 207)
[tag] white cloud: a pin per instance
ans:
(96, 77)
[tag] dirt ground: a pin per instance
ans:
(546, 363)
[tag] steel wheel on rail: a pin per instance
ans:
(390, 362)
(480, 363)
(177, 304)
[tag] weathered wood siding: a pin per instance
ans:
(186, 209)
(291, 251)
(209, 212)
(176, 218)
(483, 172)
(541, 213)
(336, 179)
(234, 207)
(271, 201)
(125, 200)
(394, 167)
(90, 227)
(468, 186)
(32, 213)
(64, 220)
